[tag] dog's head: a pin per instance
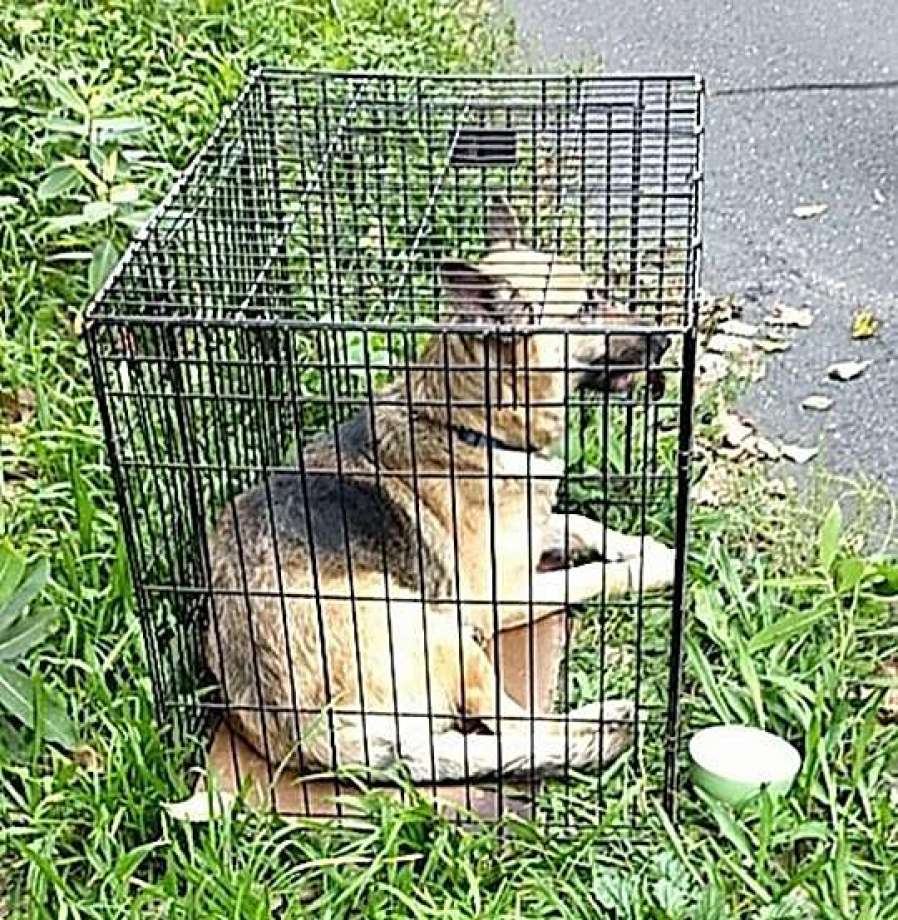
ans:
(551, 298)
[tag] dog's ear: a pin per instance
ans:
(474, 294)
(503, 230)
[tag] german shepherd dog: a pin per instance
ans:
(354, 598)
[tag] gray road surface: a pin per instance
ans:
(768, 150)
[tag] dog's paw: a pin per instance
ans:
(592, 579)
(654, 568)
(620, 549)
(603, 730)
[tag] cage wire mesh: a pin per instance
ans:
(396, 359)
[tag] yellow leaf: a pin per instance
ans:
(864, 325)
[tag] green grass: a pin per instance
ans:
(789, 630)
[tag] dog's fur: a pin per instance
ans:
(371, 578)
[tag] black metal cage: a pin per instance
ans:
(329, 368)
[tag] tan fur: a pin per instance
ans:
(327, 641)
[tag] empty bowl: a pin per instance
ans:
(734, 763)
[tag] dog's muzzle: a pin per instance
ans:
(618, 374)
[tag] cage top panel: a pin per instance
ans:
(528, 89)
(335, 198)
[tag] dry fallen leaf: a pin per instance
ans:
(739, 328)
(864, 325)
(724, 344)
(78, 324)
(773, 345)
(888, 709)
(777, 488)
(817, 402)
(713, 311)
(798, 454)
(88, 759)
(784, 315)
(17, 407)
(765, 448)
(712, 368)
(711, 490)
(731, 454)
(758, 371)
(804, 211)
(736, 428)
(847, 370)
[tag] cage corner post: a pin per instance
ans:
(99, 359)
(692, 273)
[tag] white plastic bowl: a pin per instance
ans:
(733, 763)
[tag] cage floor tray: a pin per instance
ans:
(232, 764)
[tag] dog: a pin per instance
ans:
(354, 599)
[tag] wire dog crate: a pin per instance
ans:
(396, 385)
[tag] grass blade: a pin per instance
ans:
(794, 625)
(750, 675)
(730, 829)
(16, 694)
(25, 593)
(24, 635)
(12, 567)
(828, 541)
(702, 667)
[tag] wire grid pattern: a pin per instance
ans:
(290, 283)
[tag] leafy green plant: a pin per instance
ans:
(99, 172)
(22, 696)
(849, 574)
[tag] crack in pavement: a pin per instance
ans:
(835, 86)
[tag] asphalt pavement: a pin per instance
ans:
(802, 109)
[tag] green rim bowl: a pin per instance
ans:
(734, 763)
